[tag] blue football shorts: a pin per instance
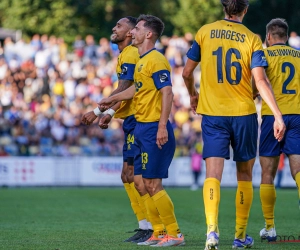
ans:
(152, 162)
(269, 146)
(219, 132)
(129, 147)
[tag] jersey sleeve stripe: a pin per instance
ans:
(194, 52)
(162, 79)
(258, 59)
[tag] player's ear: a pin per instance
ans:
(149, 34)
(245, 11)
(129, 33)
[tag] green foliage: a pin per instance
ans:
(261, 12)
(67, 18)
(39, 16)
(190, 15)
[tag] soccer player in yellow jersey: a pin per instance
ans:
(229, 54)
(284, 74)
(153, 133)
(125, 110)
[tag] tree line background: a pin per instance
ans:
(68, 18)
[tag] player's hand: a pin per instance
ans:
(104, 121)
(162, 136)
(279, 128)
(88, 118)
(194, 102)
(105, 103)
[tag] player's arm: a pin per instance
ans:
(105, 120)
(188, 77)
(264, 87)
(112, 100)
(166, 105)
(122, 85)
(254, 89)
(125, 82)
(125, 78)
(89, 117)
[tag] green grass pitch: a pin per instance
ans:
(98, 218)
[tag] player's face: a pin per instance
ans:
(139, 33)
(120, 31)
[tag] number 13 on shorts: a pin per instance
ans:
(144, 160)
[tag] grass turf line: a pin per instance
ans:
(97, 218)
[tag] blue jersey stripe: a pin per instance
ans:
(127, 71)
(162, 79)
(258, 59)
(194, 52)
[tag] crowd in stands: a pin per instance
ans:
(46, 87)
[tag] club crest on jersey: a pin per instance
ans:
(163, 77)
(140, 68)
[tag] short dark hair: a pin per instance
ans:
(131, 20)
(278, 28)
(234, 7)
(155, 24)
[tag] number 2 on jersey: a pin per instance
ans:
(289, 79)
(228, 65)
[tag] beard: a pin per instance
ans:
(115, 39)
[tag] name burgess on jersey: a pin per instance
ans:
(227, 34)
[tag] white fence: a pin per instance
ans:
(105, 171)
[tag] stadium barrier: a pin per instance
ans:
(105, 171)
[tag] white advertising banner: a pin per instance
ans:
(103, 171)
(26, 171)
(106, 171)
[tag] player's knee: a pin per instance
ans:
(152, 187)
(268, 175)
(124, 177)
(267, 179)
(294, 172)
(244, 176)
(130, 178)
(130, 170)
(139, 185)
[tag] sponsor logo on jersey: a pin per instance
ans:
(163, 77)
(124, 70)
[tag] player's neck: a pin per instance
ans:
(235, 18)
(124, 44)
(277, 42)
(144, 48)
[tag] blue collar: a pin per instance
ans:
(279, 44)
(231, 21)
(147, 52)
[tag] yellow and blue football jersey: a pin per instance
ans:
(152, 72)
(227, 51)
(125, 70)
(284, 75)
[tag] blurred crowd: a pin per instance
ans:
(46, 87)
